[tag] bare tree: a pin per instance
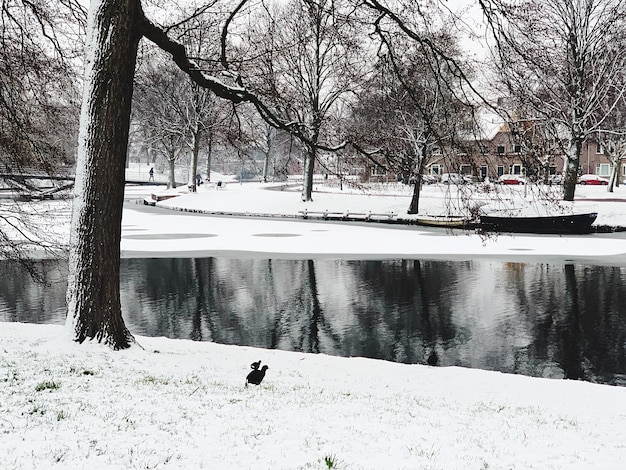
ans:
(93, 296)
(262, 139)
(38, 105)
(114, 30)
(411, 107)
(161, 111)
(312, 60)
(612, 136)
(37, 92)
(560, 59)
(613, 144)
(208, 119)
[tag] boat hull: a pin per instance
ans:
(558, 224)
(443, 221)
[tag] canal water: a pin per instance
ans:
(545, 320)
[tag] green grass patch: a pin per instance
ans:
(47, 385)
(152, 380)
(331, 461)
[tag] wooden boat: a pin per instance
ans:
(547, 224)
(444, 221)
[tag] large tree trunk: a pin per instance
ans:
(172, 170)
(268, 153)
(209, 155)
(94, 310)
(570, 172)
(415, 199)
(193, 170)
(309, 167)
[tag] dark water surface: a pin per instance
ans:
(546, 320)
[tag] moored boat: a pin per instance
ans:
(444, 221)
(546, 224)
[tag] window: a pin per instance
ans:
(379, 171)
(483, 171)
(516, 169)
(599, 148)
(603, 169)
(500, 149)
(465, 170)
(515, 148)
(435, 169)
(500, 170)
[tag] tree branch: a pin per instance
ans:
(236, 94)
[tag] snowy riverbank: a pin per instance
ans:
(179, 233)
(182, 404)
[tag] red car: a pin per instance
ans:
(593, 180)
(511, 179)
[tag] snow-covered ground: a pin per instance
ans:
(182, 404)
(290, 236)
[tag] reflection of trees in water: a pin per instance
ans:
(265, 303)
(599, 322)
(24, 300)
(402, 312)
(369, 308)
(203, 326)
(536, 319)
(301, 322)
(156, 294)
(570, 344)
(570, 315)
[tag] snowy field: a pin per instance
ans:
(182, 404)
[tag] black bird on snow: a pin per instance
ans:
(256, 376)
(255, 365)
(433, 359)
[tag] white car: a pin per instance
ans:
(555, 179)
(452, 178)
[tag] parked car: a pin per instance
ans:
(426, 179)
(511, 179)
(593, 180)
(430, 179)
(452, 178)
(555, 179)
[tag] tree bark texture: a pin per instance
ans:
(309, 168)
(195, 152)
(172, 171)
(209, 154)
(571, 169)
(415, 198)
(94, 310)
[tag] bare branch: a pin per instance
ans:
(234, 93)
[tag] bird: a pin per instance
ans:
(256, 376)
(433, 359)
(255, 365)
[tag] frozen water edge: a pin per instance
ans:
(298, 238)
